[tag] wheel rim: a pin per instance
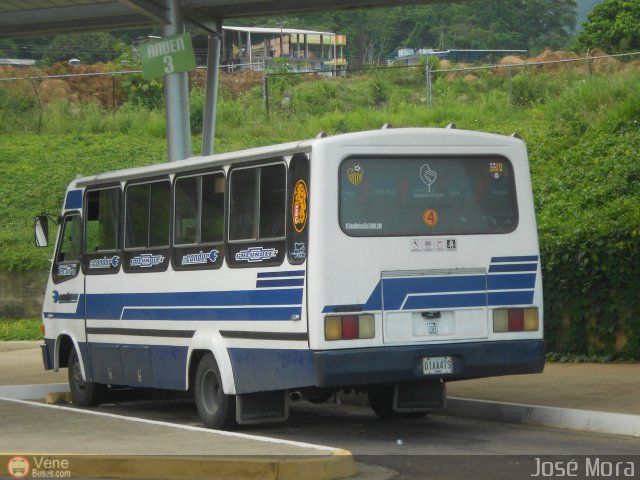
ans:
(210, 392)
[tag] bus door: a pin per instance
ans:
(65, 303)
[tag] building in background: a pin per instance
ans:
(299, 50)
(17, 62)
(414, 56)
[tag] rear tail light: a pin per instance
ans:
(516, 320)
(42, 329)
(349, 327)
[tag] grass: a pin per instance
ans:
(25, 329)
(582, 134)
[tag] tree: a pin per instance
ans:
(613, 26)
(8, 49)
(87, 47)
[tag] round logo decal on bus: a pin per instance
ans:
(299, 206)
(355, 174)
(430, 217)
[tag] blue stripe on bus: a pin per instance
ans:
(73, 199)
(514, 267)
(396, 290)
(110, 306)
(295, 273)
(526, 258)
(499, 299)
(455, 292)
(511, 282)
(287, 282)
(211, 313)
(444, 301)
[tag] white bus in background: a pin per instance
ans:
(389, 262)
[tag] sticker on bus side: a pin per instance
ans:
(256, 254)
(105, 262)
(299, 206)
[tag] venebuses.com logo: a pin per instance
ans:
(38, 467)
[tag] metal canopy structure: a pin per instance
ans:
(31, 18)
(36, 18)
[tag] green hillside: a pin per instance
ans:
(582, 133)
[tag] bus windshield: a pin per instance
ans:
(439, 195)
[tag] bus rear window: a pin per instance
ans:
(439, 195)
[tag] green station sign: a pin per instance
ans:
(168, 55)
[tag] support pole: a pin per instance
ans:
(176, 92)
(429, 79)
(211, 96)
(510, 87)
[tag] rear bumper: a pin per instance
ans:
(343, 368)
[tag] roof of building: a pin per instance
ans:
(17, 62)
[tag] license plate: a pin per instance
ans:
(437, 365)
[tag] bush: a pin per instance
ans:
(27, 329)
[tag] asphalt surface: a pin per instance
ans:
(590, 397)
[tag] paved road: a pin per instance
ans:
(446, 447)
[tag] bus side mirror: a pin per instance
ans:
(41, 231)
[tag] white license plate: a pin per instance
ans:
(437, 365)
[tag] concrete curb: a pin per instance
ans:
(338, 465)
(573, 419)
(332, 464)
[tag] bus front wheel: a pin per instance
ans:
(216, 409)
(83, 393)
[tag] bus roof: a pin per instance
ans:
(445, 137)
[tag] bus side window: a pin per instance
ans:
(199, 221)
(147, 226)
(257, 212)
(101, 226)
(67, 258)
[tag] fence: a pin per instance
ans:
(430, 74)
(420, 78)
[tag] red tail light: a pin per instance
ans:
(516, 320)
(349, 327)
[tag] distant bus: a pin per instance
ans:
(389, 262)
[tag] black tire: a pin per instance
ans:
(216, 409)
(381, 401)
(84, 394)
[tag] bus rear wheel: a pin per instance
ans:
(216, 409)
(83, 393)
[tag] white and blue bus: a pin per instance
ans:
(389, 262)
